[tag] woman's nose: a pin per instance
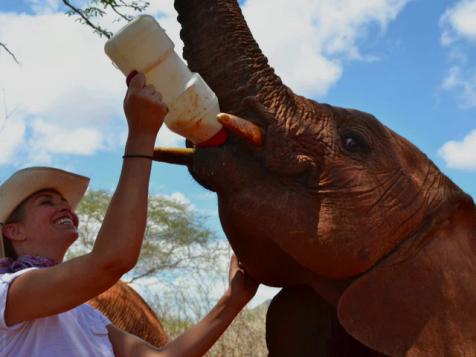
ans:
(64, 205)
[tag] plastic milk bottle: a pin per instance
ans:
(144, 46)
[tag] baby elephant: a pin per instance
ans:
(373, 245)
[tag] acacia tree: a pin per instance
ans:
(176, 239)
(180, 256)
(91, 12)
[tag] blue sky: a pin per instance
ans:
(411, 63)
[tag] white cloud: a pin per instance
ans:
(12, 132)
(306, 40)
(181, 198)
(63, 73)
(463, 82)
(168, 138)
(166, 14)
(48, 139)
(459, 21)
(64, 78)
(460, 154)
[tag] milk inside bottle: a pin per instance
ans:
(143, 45)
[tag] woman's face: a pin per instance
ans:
(48, 228)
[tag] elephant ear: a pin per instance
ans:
(420, 301)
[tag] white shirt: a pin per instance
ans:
(80, 332)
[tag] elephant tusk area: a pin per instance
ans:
(177, 156)
(242, 128)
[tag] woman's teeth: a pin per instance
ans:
(68, 221)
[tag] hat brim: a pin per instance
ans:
(26, 182)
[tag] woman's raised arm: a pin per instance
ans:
(45, 292)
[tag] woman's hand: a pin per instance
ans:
(197, 340)
(144, 108)
(242, 286)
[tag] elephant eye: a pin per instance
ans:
(354, 143)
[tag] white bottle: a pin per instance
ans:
(143, 45)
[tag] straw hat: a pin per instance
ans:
(22, 184)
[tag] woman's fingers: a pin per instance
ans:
(156, 97)
(136, 81)
(149, 92)
(130, 76)
(149, 89)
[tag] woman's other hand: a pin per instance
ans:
(144, 108)
(242, 286)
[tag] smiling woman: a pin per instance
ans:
(39, 224)
(43, 308)
(43, 199)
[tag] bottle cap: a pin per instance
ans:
(216, 140)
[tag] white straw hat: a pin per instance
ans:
(23, 183)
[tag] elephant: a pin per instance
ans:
(124, 307)
(373, 245)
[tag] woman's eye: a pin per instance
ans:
(46, 203)
(354, 143)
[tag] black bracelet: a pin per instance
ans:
(134, 156)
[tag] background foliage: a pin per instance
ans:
(181, 272)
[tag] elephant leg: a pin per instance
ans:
(300, 323)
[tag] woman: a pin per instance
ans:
(43, 311)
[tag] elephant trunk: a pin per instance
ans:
(219, 46)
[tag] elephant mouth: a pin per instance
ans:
(237, 129)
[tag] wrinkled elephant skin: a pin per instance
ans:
(334, 200)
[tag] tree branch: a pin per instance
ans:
(120, 14)
(99, 8)
(98, 29)
(4, 46)
(7, 114)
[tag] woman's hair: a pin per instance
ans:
(16, 216)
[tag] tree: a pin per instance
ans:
(93, 10)
(181, 263)
(176, 239)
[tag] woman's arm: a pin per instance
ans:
(46, 292)
(199, 338)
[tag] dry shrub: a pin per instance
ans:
(245, 337)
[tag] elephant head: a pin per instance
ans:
(332, 199)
